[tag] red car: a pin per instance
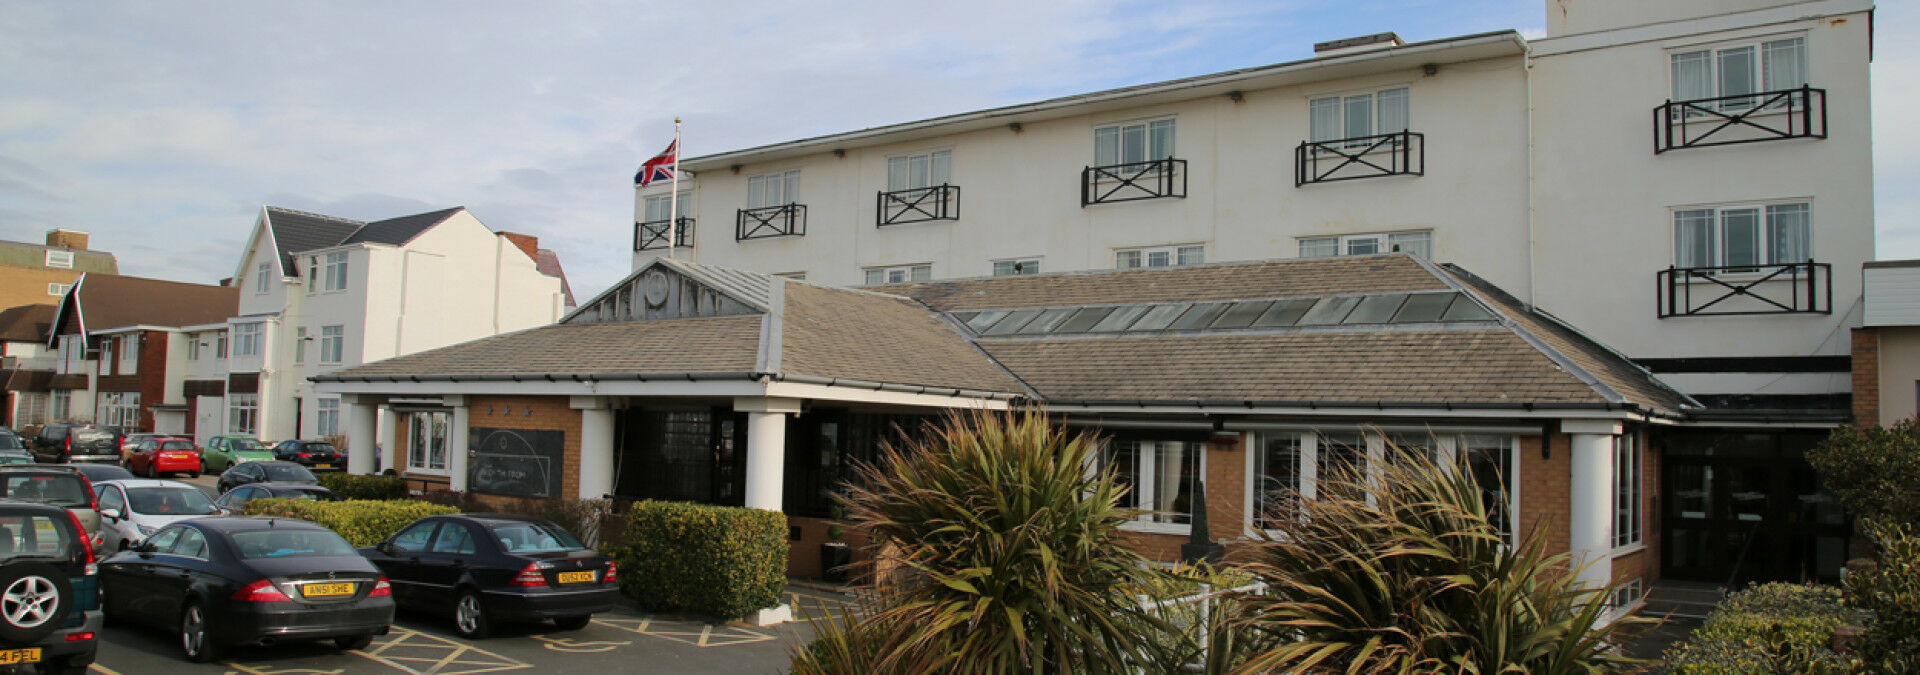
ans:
(170, 454)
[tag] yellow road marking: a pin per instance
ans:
(103, 670)
(568, 645)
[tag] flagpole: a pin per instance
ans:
(673, 194)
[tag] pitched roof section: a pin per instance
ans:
(398, 231)
(107, 301)
(726, 344)
(25, 323)
(297, 231)
(1306, 277)
(548, 263)
(827, 332)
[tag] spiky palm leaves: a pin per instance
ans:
(1403, 571)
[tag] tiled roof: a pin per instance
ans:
(1304, 277)
(26, 323)
(297, 231)
(548, 263)
(109, 301)
(399, 231)
(830, 332)
(704, 345)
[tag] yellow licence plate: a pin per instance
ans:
(576, 577)
(12, 656)
(326, 590)
(323, 466)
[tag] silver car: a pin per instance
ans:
(133, 508)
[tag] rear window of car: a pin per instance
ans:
(57, 489)
(10, 443)
(290, 544)
(287, 472)
(164, 501)
(36, 535)
(176, 445)
(534, 538)
(237, 444)
(85, 435)
(319, 447)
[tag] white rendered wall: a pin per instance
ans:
(1566, 17)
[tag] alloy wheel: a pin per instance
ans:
(29, 601)
(467, 613)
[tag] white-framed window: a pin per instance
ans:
(1629, 492)
(333, 275)
(246, 339)
(427, 434)
(1292, 464)
(773, 189)
(1737, 69)
(58, 289)
(243, 413)
(1130, 143)
(926, 170)
(300, 344)
(130, 354)
(327, 421)
(1418, 243)
(1159, 476)
(333, 341)
(1751, 234)
(1628, 594)
(656, 207)
(106, 356)
(220, 345)
(1159, 256)
(1018, 267)
(899, 274)
(60, 259)
(260, 278)
(1277, 477)
(119, 409)
(1334, 118)
(193, 346)
(61, 405)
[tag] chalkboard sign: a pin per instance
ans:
(516, 462)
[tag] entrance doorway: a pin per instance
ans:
(1743, 507)
(692, 455)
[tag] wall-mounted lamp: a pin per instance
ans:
(529, 411)
(1430, 69)
(735, 169)
(838, 152)
(1014, 127)
(1236, 96)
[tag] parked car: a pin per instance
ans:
(58, 486)
(317, 455)
(51, 608)
(97, 473)
(236, 499)
(226, 580)
(260, 472)
(132, 510)
(131, 441)
(12, 451)
(60, 443)
(222, 452)
(487, 569)
(167, 454)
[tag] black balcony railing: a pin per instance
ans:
(785, 220)
(1790, 288)
(1133, 181)
(1743, 118)
(918, 205)
(1402, 153)
(652, 234)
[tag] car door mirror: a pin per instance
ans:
(385, 547)
(145, 548)
(110, 514)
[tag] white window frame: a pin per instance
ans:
(60, 405)
(243, 413)
(1770, 218)
(1713, 61)
(333, 342)
(300, 340)
(119, 409)
(58, 288)
(429, 428)
(247, 339)
(334, 271)
(59, 259)
(326, 417)
(1013, 267)
(130, 354)
(1346, 116)
(193, 346)
(220, 345)
(899, 274)
(654, 207)
(776, 188)
(1448, 447)
(1629, 491)
(1134, 142)
(1178, 255)
(1368, 243)
(106, 356)
(919, 171)
(1156, 519)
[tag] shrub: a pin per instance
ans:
(1890, 589)
(362, 523)
(1776, 627)
(354, 486)
(719, 560)
(1871, 470)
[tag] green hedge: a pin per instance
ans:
(1769, 628)
(362, 523)
(1890, 589)
(719, 560)
(355, 486)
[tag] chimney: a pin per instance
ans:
(1356, 45)
(67, 239)
(528, 244)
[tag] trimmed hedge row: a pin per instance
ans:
(719, 560)
(1769, 628)
(362, 523)
(357, 486)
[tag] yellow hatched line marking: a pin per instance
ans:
(459, 654)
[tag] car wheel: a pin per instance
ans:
(151, 473)
(35, 599)
(350, 643)
(196, 640)
(572, 622)
(470, 616)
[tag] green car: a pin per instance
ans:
(223, 452)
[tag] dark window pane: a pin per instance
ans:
(1283, 313)
(1199, 316)
(1241, 314)
(1376, 309)
(1120, 319)
(1424, 307)
(1465, 309)
(1014, 321)
(1329, 311)
(1083, 320)
(1160, 316)
(1045, 322)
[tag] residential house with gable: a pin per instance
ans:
(26, 365)
(120, 354)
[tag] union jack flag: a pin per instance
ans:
(660, 167)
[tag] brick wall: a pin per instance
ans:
(1546, 489)
(506, 412)
(153, 376)
(1866, 376)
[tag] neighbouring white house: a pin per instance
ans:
(319, 293)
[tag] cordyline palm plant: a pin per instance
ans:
(1014, 556)
(1418, 578)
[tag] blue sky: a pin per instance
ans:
(161, 128)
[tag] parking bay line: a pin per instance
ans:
(706, 637)
(457, 654)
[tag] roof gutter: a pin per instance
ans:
(850, 383)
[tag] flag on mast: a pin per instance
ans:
(662, 166)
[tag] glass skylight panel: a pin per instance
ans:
(1465, 309)
(1201, 315)
(1283, 313)
(1424, 307)
(1241, 314)
(1329, 311)
(963, 317)
(1084, 319)
(1046, 321)
(1160, 316)
(1120, 319)
(1376, 308)
(1014, 321)
(980, 321)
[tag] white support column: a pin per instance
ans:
(596, 445)
(362, 415)
(389, 449)
(766, 447)
(1590, 507)
(457, 451)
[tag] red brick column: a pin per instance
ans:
(1866, 376)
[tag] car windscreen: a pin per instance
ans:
(534, 538)
(36, 535)
(169, 501)
(287, 472)
(257, 544)
(319, 447)
(57, 489)
(176, 445)
(244, 444)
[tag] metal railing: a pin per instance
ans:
(652, 234)
(1402, 153)
(785, 220)
(1791, 288)
(918, 205)
(1741, 118)
(1133, 181)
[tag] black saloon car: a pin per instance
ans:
(316, 455)
(487, 568)
(230, 580)
(50, 615)
(248, 473)
(237, 498)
